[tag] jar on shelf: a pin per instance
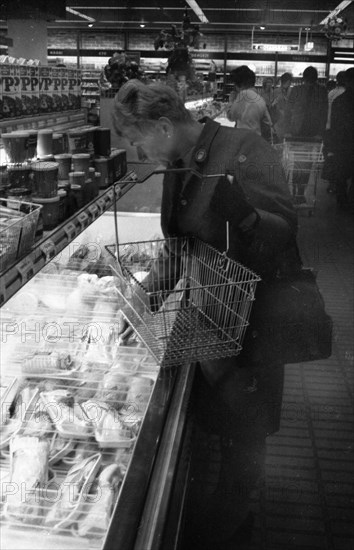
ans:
(50, 211)
(44, 143)
(19, 175)
(64, 165)
(45, 179)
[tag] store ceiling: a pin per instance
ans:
(223, 15)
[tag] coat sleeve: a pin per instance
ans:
(259, 171)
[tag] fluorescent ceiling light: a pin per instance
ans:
(197, 10)
(336, 11)
(79, 14)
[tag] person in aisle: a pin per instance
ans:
(281, 97)
(306, 110)
(246, 107)
(330, 85)
(267, 91)
(328, 172)
(334, 93)
(305, 120)
(341, 142)
(237, 401)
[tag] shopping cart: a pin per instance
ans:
(302, 161)
(193, 302)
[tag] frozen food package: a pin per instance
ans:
(73, 492)
(95, 521)
(68, 417)
(108, 426)
(49, 363)
(60, 448)
(138, 397)
(113, 389)
(29, 455)
(17, 404)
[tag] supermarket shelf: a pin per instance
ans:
(18, 274)
(57, 121)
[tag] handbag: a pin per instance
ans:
(289, 323)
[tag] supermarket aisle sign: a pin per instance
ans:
(276, 47)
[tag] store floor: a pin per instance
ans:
(307, 498)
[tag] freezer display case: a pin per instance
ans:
(85, 417)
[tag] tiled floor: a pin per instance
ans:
(307, 499)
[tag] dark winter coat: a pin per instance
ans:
(187, 210)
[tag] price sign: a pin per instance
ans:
(49, 250)
(2, 291)
(70, 230)
(83, 219)
(110, 195)
(25, 269)
(93, 209)
(101, 204)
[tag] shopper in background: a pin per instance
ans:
(330, 85)
(342, 142)
(328, 172)
(237, 400)
(246, 107)
(305, 120)
(267, 91)
(334, 93)
(281, 97)
(306, 110)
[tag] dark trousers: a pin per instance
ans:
(232, 419)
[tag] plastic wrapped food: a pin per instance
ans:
(16, 403)
(41, 363)
(73, 493)
(29, 457)
(138, 397)
(113, 389)
(66, 414)
(109, 429)
(95, 522)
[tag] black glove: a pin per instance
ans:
(229, 202)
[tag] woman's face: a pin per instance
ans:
(152, 144)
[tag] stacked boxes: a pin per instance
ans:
(27, 90)
(11, 91)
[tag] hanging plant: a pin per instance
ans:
(119, 70)
(335, 28)
(180, 42)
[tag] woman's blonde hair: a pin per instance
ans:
(139, 105)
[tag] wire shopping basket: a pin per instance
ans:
(185, 300)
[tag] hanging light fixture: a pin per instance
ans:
(197, 10)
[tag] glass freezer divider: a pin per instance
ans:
(161, 485)
(13, 278)
(126, 516)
